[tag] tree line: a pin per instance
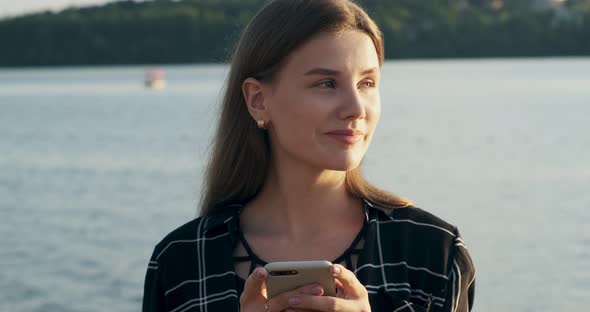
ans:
(195, 31)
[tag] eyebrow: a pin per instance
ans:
(332, 72)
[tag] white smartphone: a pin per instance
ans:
(286, 276)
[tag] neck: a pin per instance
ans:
(301, 202)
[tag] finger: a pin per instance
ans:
(281, 302)
(340, 289)
(321, 303)
(254, 284)
(350, 284)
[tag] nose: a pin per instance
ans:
(353, 105)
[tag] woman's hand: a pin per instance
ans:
(254, 299)
(352, 295)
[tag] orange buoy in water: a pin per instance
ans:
(155, 79)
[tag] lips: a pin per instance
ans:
(346, 136)
(349, 132)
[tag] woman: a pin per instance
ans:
(283, 184)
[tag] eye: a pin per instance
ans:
(367, 84)
(327, 84)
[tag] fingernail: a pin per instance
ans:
(259, 273)
(294, 300)
(336, 269)
(317, 290)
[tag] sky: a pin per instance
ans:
(17, 7)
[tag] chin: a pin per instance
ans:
(345, 164)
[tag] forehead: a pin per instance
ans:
(349, 51)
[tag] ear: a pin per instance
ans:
(253, 92)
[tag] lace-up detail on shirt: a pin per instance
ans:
(348, 258)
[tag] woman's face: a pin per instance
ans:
(327, 89)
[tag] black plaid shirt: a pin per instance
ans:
(411, 261)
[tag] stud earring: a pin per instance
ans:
(260, 124)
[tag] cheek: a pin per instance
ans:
(298, 117)
(297, 108)
(376, 112)
(373, 111)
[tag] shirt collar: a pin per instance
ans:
(222, 222)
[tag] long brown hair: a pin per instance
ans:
(240, 155)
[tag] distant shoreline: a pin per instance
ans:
(196, 32)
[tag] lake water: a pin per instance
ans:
(95, 170)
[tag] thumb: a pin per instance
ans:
(255, 285)
(349, 282)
